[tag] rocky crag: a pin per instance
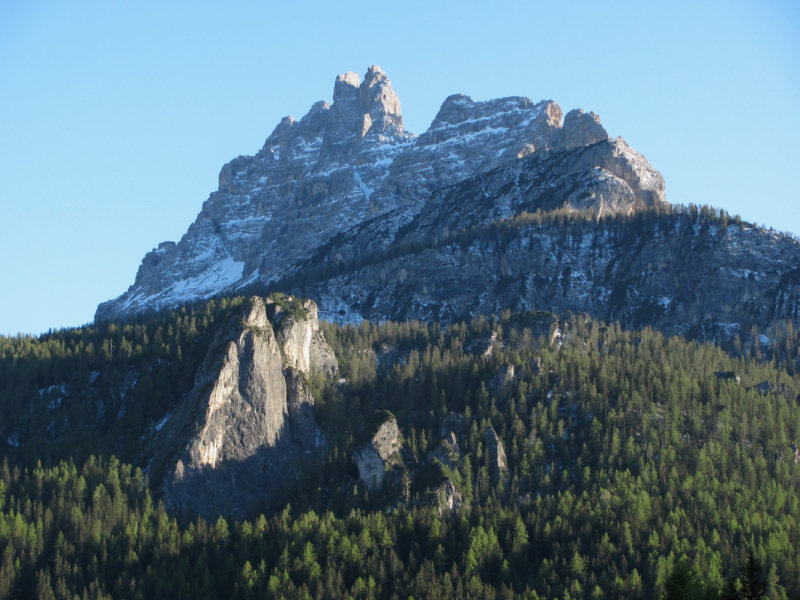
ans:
(497, 454)
(296, 324)
(677, 272)
(446, 452)
(245, 421)
(432, 487)
(377, 448)
(380, 452)
(348, 179)
(347, 208)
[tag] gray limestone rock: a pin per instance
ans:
(232, 430)
(536, 365)
(450, 499)
(377, 447)
(497, 454)
(246, 420)
(484, 347)
(347, 179)
(580, 129)
(375, 223)
(505, 377)
(322, 356)
(675, 275)
(606, 178)
(447, 452)
(378, 103)
(302, 343)
(432, 487)
(300, 402)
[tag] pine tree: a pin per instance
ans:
(753, 585)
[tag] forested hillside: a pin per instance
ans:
(100, 389)
(627, 454)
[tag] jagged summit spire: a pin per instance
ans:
(361, 107)
(345, 87)
(379, 102)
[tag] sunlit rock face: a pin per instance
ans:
(301, 341)
(378, 448)
(238, 433)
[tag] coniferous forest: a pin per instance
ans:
(639, 466)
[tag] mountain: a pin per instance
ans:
(351, 169)
(537, 379)
(499, 205)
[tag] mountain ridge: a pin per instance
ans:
(350, 162)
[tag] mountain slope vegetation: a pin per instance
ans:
(628, 454)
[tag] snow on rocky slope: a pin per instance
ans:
(349, 170)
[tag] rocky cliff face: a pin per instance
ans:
(432, 487)
(676, 273)
(497, 454)
(297, 328)
(240, 427)
(503, 380)
(450, 499)
(446, 452)
(300, 402)
(377, 447)
(348, 175)
(346, 207)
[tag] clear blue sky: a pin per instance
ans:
(116, 117)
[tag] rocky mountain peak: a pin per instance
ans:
(379, 102)
(255, 314)
(347, 180)
(377, 447)
(348, 120)
(581, 129)
(344, 84)
(455, 109)
(282, 129)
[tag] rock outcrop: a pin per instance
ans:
(432, 487)
(484, 347)
(446, 452)
(297, 328)
(232, 430)
(505, 377)
(497, 454)
(377, 447)
(300, 403)
(374, 223)
(580, 129)
(536, 365)
(450, 499)
(322, 356)
(241, 426)
(349, 171)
